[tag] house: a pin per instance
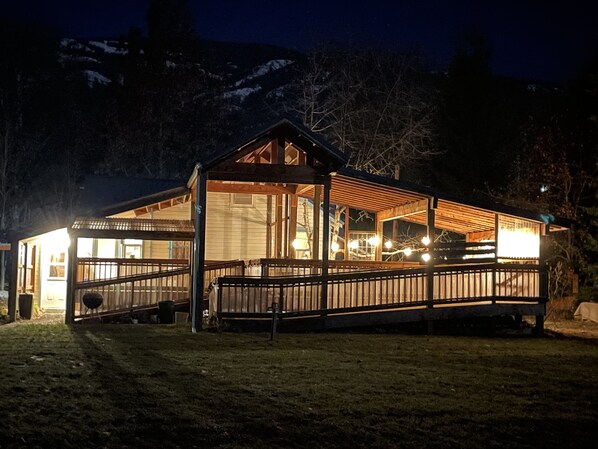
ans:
(254, 220)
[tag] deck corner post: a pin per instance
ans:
(199, 256)
(539, 327)
(14, 280)
(71, 279)
(431, 229)
(542, 270)
(325, 245)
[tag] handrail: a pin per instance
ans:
(125, 261)
(381, 288)
(134, 278)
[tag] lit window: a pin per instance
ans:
(58, 265)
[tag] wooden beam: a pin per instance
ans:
(71, 280)
(404, 210)
(431, 228)
(293, 225)
(281, 151)
(257, 189)
(278, 245)
(347, 221)
(478, 236)
(269, 226)
(316, 224)
(325, 246)
(200, 252)
(380, 235)
(14, 280)
(279, 174)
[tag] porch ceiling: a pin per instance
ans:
(373, 197)
(138, 228)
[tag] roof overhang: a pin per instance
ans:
(132, 228)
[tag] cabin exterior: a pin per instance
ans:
(266, 224)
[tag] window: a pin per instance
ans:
(132, 248)
(58, 265)
(242, 199)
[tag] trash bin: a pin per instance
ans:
(166, 312)
(25, 306)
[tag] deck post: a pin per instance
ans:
(543, 272)
(293, 226)
(14, 280)
(278, 251)
(268, 226)
(494, 268)
(431, 223)
(380, 235)
(325, 245)
(71, 279)
(347, 220)
(316, 225)
(200, 249)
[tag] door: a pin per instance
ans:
(53, 294)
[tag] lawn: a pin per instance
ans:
(161, 386)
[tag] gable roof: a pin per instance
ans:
(281, 127)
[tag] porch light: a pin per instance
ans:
(388, 244)
(407, 251)
(426, 257)
(426, 240)
(334, 247)
(374, 240)
(353, 244)
(296, 244)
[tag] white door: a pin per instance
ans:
(53, 285)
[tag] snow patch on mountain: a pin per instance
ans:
(108, 48)
(243, 93)
(263, 69)
(94, 78)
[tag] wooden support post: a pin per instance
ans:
(280, 150)
(286, 228)
(200, 250)
(539, 328)
(278, 251)
(71, 280)
(325, 245)
(495, 267)
(431, 227)
(347, 221)
(13, 280)
(293, 225)
(543, 271)
(268, 226)
(316, 226)
(380, 235)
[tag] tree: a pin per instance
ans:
(371, 104)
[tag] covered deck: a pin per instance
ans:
(470, 260)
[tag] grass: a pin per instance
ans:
(161, 386)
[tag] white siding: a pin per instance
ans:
(235, 232)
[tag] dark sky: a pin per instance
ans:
(544, 40)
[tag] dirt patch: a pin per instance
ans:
(572, 328)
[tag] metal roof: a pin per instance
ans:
(148, 229)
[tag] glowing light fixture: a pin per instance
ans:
(353, 244)
(407, 251)
(334, 247)
(296, 243)
(426, 257)
(426, 240)
(374, 240)
(388, 244)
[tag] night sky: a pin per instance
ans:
(541, 40)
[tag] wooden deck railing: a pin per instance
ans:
(134, 292)
(133, 284)
(307, 267)
(100, 269)
(348, 292)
